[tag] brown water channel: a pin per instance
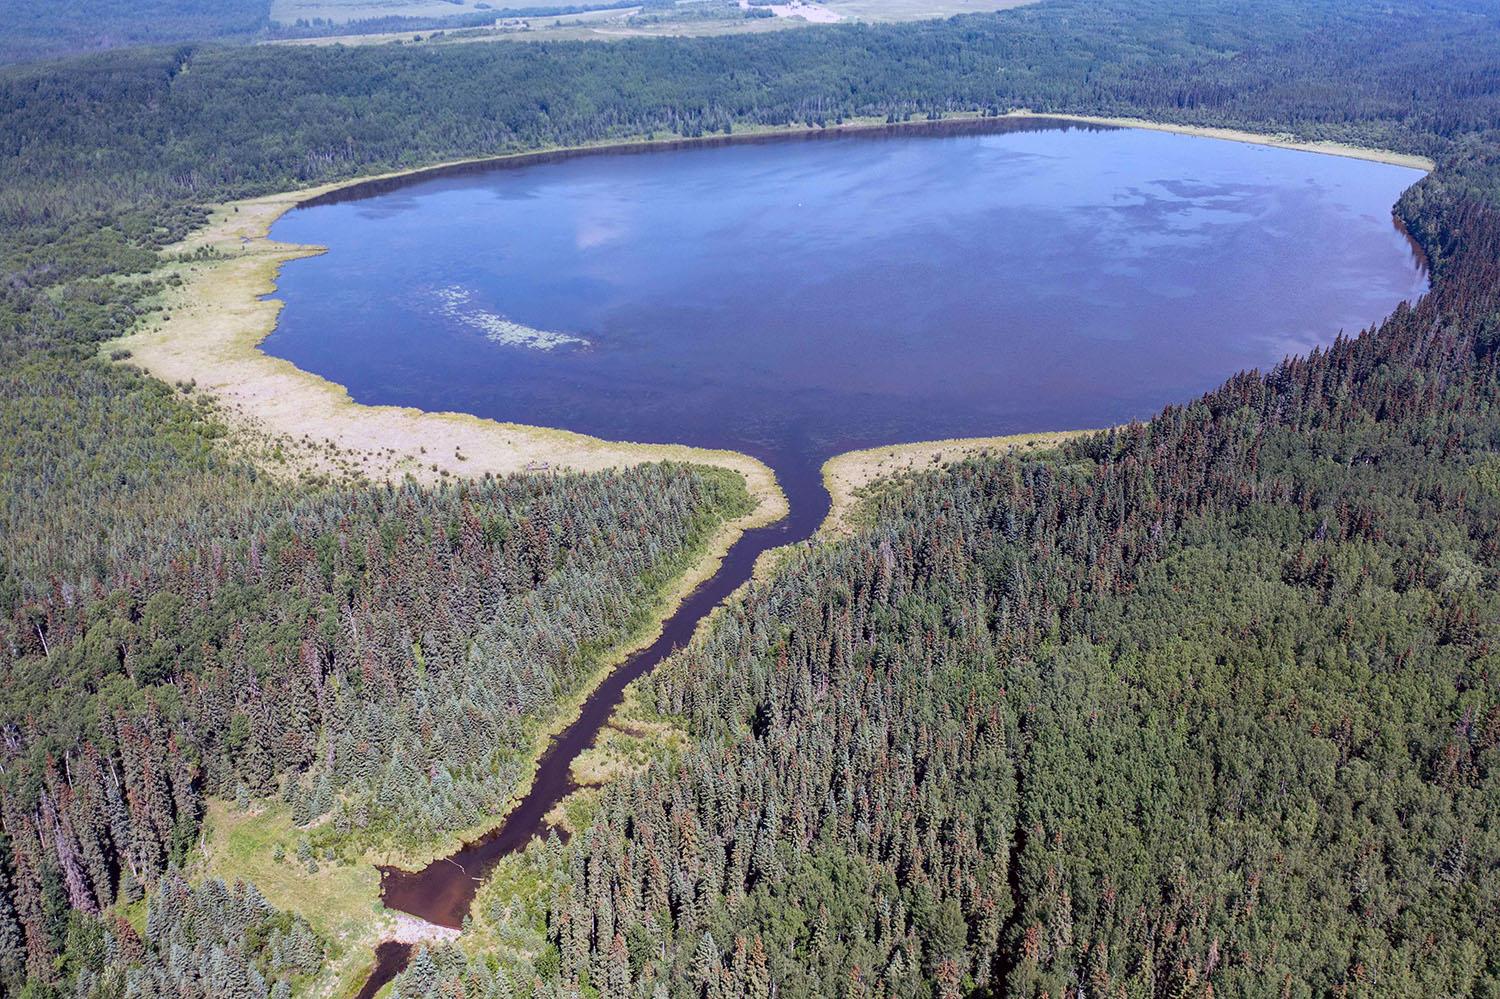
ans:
(442, 891)
(795, 299)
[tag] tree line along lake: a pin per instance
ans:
(797, 297)
(793, 299)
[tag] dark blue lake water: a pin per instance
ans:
(797, 298)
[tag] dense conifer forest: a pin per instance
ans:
(1206, 705)
(1203, 706)
(36, 30)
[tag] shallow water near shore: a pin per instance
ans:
(794, 299)
(797, 298)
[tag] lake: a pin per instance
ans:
(799, 297)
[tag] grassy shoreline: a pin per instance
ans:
(309, 425)
(298, 423)
(208, 333)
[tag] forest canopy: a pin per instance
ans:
(41, 29)
(1205, 705)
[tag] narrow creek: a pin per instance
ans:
(442, 892)
(801, 295)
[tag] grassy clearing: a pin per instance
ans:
(244, 844)
(135, 914)
(341, 900)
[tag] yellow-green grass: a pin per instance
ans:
(341, 902)
(135, 913)
(633, 739)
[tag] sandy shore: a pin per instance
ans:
(295, 422)
(847, 475)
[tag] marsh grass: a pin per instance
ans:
(341, 901)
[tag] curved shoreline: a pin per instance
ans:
(846, 475)
(215, 320)
(209, 334)
(957, 123)
(285, 416)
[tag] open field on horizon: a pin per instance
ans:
(605, 24)
(339, 11)
(1199, 705)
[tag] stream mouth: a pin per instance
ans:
(443, 892)
(795, 297)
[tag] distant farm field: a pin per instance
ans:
(340, 11)
(912, 10)
(344, 11)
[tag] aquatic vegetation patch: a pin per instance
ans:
(456, 305)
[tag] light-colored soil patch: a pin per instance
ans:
(411, 930)
(915, 10)
(812, 13)
(848, 476)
